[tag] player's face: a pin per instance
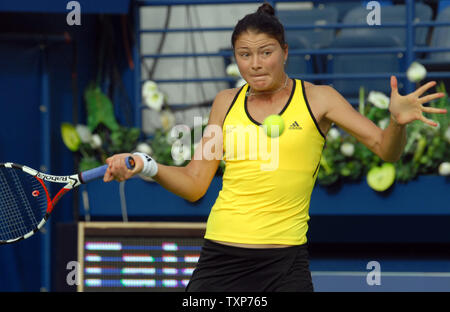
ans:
(260, 59)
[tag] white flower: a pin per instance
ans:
(167, 119)
(379, 99)
(96, 141)
(333, 134)
(444, 169)
(383, 123)
(144, 148)
(447, 134)
(148, 88)
(154, 100)
(233, 70)
(347, 149)
(240, 83)
(416, 72)
(84, 133)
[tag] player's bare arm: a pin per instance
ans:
(389, 143)
(191, 181)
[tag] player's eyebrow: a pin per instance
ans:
(267, 45)
(263, 47)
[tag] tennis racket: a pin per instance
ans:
(25, 201)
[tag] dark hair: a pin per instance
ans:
(262, 21)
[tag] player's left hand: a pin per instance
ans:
(408, 108)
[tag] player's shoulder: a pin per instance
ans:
(224, 99)
(316, 90)
(322, 98)
(222, 103)
(227, 94)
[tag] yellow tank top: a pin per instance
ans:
(267, 183)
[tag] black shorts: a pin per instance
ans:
(223, 268)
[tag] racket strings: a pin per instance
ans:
(25, 202)
(10, 219)
(22, 203)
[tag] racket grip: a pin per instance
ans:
(97, 173)
(93, 174)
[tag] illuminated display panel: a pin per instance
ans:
(138, 256)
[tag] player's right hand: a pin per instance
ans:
(117, 169)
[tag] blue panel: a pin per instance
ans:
(20, 139)
(361, 63)
(317, 38)
(358, 199)
(145, 199)
(58, 6)
(441, 37)
(20, 265)
(401, 199)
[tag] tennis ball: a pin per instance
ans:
(271, 123)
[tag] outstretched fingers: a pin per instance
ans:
(433, 110)
(428, 121)
(424, 88)
(431, 97)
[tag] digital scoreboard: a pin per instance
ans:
(137, 256)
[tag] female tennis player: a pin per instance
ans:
(256, 232)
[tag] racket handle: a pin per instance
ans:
(97, 173)
(92, 174)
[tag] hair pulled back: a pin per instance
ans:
(262, 21)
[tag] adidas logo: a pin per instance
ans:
(295, 126)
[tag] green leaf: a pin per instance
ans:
(88, 163)
(361, 100)
(99, 109)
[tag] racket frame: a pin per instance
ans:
(70, 181)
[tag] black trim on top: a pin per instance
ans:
(310, 111)
(281, 112)
(232, 103)
(317, 167)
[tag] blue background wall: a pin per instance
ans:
(20, 99)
